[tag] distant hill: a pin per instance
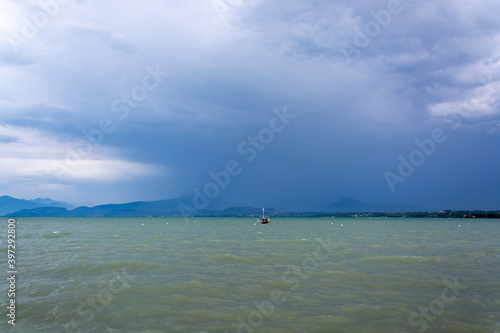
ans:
(350, 205)
(138, 208)
(346, 208)
(42, 212)
(168, 207)
(9, 205)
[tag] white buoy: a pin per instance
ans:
(342, 225)
(142, 224)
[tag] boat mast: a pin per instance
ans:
(263, 213)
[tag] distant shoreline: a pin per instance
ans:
(61, 212)
(176, 207)
(439, 215)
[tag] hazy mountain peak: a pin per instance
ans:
(10, 205)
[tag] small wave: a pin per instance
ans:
(402, 259)
(100, 267)
(226, 257)
(57, 234)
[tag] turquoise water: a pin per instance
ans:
(229, 275)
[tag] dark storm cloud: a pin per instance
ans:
(365, 81)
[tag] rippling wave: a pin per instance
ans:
(229, 275)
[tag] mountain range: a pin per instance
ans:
(169, 207)
(10, 205)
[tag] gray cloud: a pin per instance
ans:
(228, 69)
(103, 36)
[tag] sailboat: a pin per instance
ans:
(264, 220)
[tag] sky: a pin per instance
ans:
(289, 104)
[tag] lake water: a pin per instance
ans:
(229, 275)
